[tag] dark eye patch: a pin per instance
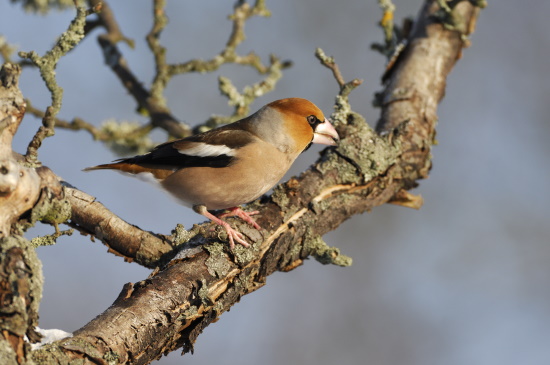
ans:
(313, 121)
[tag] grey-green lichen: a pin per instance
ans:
(342, 109)
(347, 173)
(280, 197)
(451, 19)
(44, 6)
(180, 235)
(204, 294)
(49, 354)
(218, 308)
(111, 357)
(52, 210)
(127, 137)
(49, 209)
(387, 25)
(368, 154)
(294, 251)
(190, 312)
(50, 239)
(243, 255)
(242, 282)
(47, 64)
(217, 263)
(324, 253)
(320, 206)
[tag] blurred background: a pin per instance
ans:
(462, 281)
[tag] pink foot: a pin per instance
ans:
(237, 211)
(232, 234)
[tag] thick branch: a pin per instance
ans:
(171, 308)
(123, 239)
(20, 269)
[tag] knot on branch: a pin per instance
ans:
(9, 75)
(51, 205)
(19, 187)
(10, 172)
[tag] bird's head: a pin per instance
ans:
(295, 123)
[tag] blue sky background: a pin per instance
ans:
(462, 281)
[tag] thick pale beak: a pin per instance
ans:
(325, 134)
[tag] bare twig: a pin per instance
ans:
(329, 62)
(153, 102)
(241, 101)
(345, 87)
(45, 130)
(108, 21)
(50, 239)
(47, 64)
(160, 20)
(241, 14)
(160, 115)
(76, 124)
(122, 138)
(386, 23)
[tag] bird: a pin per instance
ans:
(234, 164)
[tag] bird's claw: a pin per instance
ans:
(237, 211)
(233, 236)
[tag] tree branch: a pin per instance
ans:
(21, 188)
(123, 239)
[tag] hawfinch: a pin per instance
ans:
(234, 164)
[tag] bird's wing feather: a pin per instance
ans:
(211, 149)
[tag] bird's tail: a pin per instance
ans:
(122, 166)
(125, 165)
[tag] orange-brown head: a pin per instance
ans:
(292, 124)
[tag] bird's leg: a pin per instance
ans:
(231, 233)
(237, 211)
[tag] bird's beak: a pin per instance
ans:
(325, 134)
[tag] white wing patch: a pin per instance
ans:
(147, 177)
(200, 149)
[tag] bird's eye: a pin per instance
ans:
(312, 120)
